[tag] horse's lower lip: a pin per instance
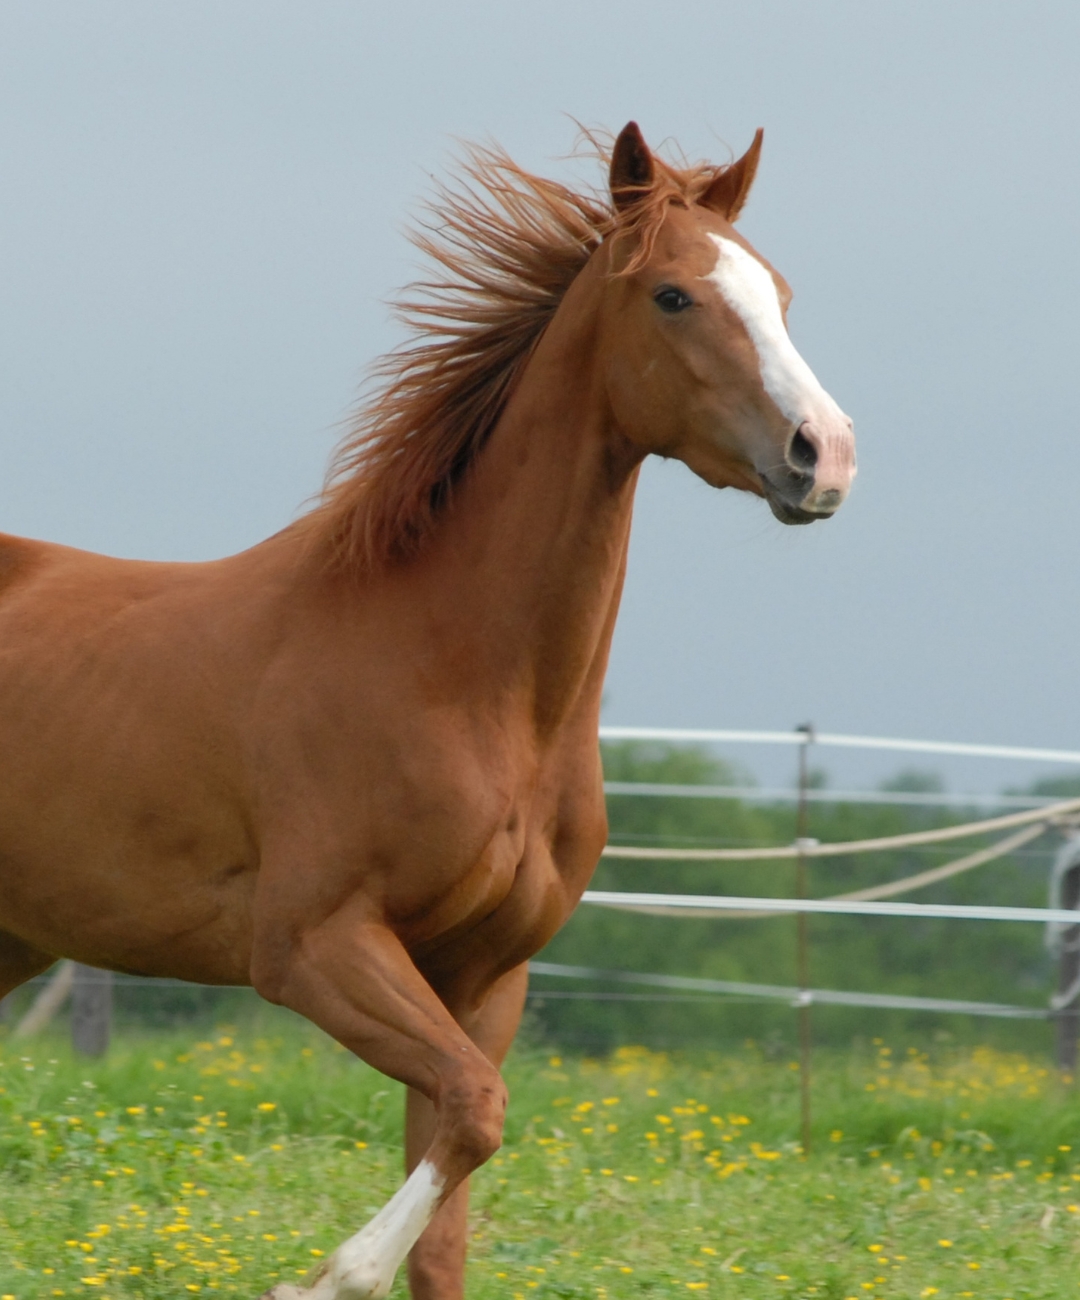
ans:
(788, 512)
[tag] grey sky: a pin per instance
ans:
(201, 215)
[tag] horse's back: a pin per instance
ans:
(48, 574)
(19, 559)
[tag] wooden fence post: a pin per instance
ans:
(50, 998)
(91, 1010)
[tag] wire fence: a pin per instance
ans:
(1035, 815)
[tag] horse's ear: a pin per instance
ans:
(729, 191)
(632, 167)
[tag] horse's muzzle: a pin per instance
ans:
(817, 471)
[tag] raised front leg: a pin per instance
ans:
(437, 1261)
(351, 976)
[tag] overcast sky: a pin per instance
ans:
(201, 215)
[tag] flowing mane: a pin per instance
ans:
(506, 245)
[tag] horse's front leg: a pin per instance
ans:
(351, 976)
(437, 1261)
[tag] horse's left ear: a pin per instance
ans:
(729, 191)
(632, 167)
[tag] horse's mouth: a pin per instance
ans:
(790, 512)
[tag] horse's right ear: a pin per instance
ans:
(632, 168)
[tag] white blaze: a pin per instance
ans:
(749, 290)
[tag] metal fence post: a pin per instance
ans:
(1068, 1023)
(91, 1010)
(1064, 942)
(802, 940)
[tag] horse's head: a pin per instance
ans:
(700, 365)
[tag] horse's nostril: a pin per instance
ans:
(801, 454)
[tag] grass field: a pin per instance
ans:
(177, 1167)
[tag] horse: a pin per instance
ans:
(356, 766)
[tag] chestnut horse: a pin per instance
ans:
(356, 766)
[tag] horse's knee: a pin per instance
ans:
(473, 1112)
(479, 1138)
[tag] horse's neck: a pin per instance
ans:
(526, 569)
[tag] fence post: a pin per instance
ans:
(1063, 941)
(802, 938)
(48, 1002)
(91, 1010)
(1068, 1019)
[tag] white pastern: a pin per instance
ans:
(363, 1267)
(749, 290)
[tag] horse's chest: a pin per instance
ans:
(519, 887)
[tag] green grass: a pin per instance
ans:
(175, 1167)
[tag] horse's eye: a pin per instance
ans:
(671, 300)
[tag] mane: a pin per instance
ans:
(506, 246)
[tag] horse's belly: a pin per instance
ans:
(122, 867)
